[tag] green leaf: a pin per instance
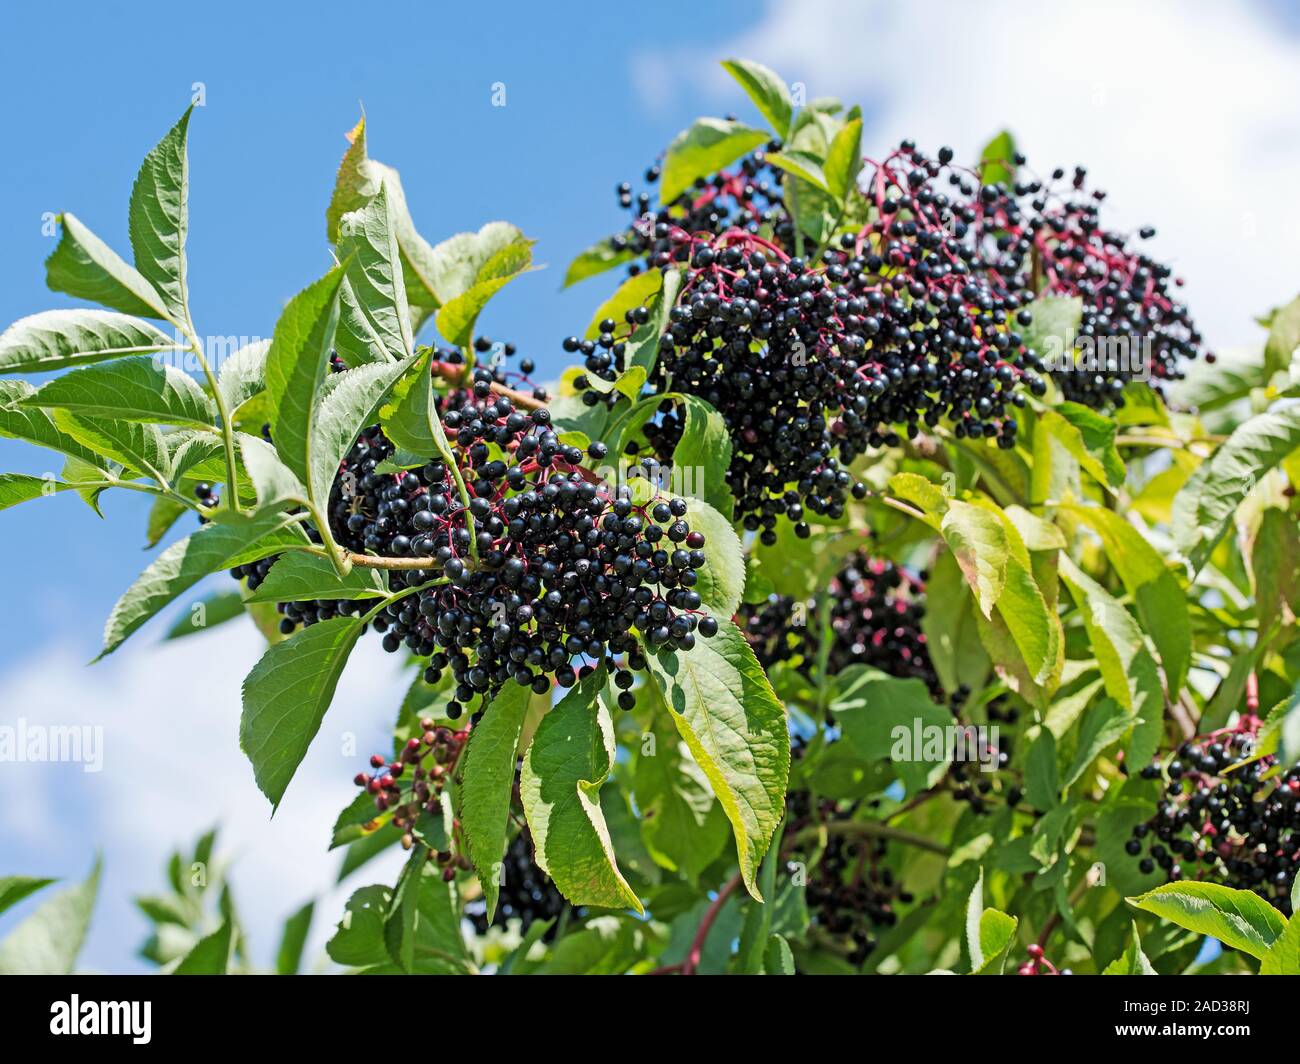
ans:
(882, 717)
(735, 727)
(1127, 667)
(707, 146)
(243, 374)
(757, 929)
(159, 219)
(163, 514)
(951, 633)
(16, 488)
(299, 577)
(132, 389)
(57, 339)
(1090, 438)
(286, 696)
(803, 165)
(1105, 723)
(35, 425)
(140, 448)
(351, 405)
(375, 320)
(1160, 601)
(1284, 956)
(844, 161)
(765, 87)
(703, 455)
(567, 763)
(1237, 918)
(84, 266)
(215, 609)
(978, 541)
(1055, 326)
(47, 942)
(273, 481)
(682, 825)
(597, 259)
(458, 316)
(288, 959)
(14, 889)
(487, 769)
(997, 934)
(1275, 566)
(1042, 782)
(1283, 337)
(210, 955)
(1133, 961)
(638, 291)
(410, 418)
(643, 345)
(998, 160)
(778, 960)
(235, 541)
(295, 365)
(721, 581)
(456, 263)
(403, 911)
(1204, 508)
(359, 940)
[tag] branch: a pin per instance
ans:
(702, 932)
(455, 374)
(870, 829)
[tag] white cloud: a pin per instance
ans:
(1184, 112)
(173, 768)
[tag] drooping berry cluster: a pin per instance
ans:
(875, 612)
(909, 321)
(851, 893)
(1132, 326)
(1224, 818)
(526, 893)
(532, 560)
(410, 785)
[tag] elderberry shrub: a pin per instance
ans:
(535, 564)
(1222, 820)
(875, 613)
(526, 893)
(910, 321)
(1132, 327)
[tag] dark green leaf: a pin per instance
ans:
(159, 219)
(487, 768)
(133, 389)
(286, 696)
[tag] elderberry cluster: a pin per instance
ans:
(1132, 327)
(851, 893)
(410, 785)
(875, 612)
(909, 321)
(744, 196)
(1224, 818)
(532, 561)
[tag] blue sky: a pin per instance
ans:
(593, 92)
